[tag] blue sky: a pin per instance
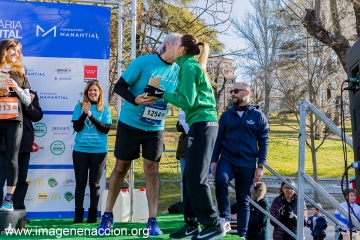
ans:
(239, 8)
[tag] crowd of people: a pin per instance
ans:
(235, 146)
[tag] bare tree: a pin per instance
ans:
(261, 33)
(316, 78)
(339, 43)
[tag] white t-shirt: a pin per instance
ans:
(356, 213)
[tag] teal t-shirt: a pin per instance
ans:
(137, 75)
(90, 139)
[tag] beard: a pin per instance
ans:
(237, 101)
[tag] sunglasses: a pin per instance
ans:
(236, 90)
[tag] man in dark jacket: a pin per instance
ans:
(242, 142)
(31, 113)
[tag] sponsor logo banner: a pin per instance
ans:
(62, 30)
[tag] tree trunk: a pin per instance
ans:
(337, 111)
(313, 153)
(318, 129)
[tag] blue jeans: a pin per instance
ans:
(225, 172)
(182, 165)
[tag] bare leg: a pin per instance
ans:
(10, 189)
(152, 177)
(116, 182)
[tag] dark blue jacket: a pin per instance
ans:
(319, 229)
(242, 140)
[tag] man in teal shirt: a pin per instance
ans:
(141, 123)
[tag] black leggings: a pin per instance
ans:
(12, 132)
(82, 162)
(22, 185)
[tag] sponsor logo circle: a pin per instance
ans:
(40, 129)
(57, 147)
(52, 182)
(68, 196)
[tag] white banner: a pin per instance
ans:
(64, 47)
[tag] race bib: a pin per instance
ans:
(8, 107)
(154, 114)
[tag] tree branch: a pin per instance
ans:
(315, 28)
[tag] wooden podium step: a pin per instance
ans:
(12, 220)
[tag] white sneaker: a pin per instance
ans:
(225, 225)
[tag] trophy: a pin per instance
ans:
(155, 82)
(3, 86)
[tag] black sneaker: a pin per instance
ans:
(210, 233)
(186, 232)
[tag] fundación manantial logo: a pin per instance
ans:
(40, 30)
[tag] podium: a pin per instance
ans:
(12, 220)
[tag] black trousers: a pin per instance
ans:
(12, 132)
(22, 185)
(198, 205)
(85, 164)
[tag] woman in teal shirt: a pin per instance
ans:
(195, 96)
(92, 121)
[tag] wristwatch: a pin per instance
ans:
(261, 166)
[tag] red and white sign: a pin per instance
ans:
(90, 72)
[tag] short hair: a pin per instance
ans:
(317, 207)
(171, 37)
(348, 191)
(246, 85)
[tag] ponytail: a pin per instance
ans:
(203, 58)
(191, 44)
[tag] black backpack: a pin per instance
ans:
(176, 208)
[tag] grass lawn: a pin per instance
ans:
(282, 157)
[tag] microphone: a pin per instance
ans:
(355, 164)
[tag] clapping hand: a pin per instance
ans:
(86, 107)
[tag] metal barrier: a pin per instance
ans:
(305, 105)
